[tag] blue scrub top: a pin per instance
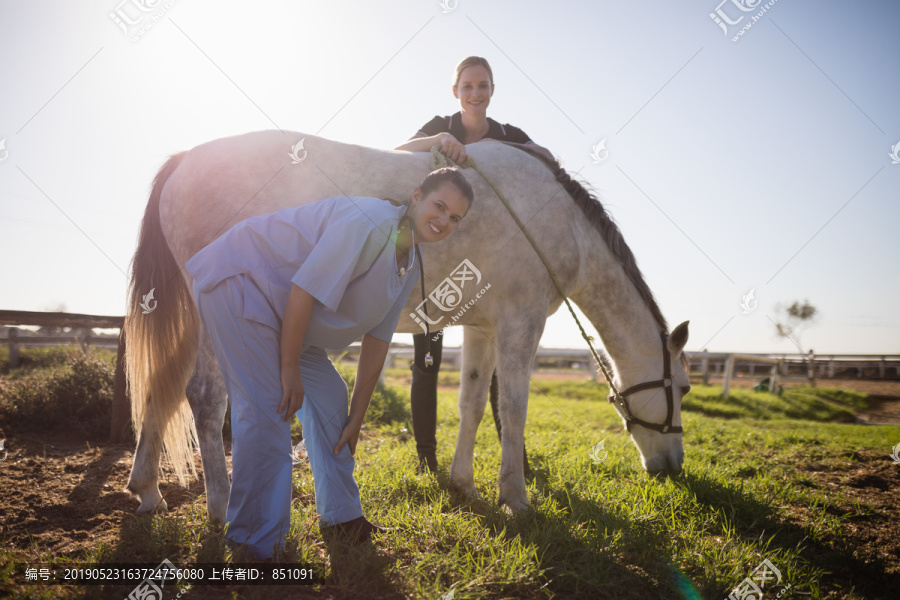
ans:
(340, 250)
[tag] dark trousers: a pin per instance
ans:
(423, 399)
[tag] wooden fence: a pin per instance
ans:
(778, 367)
(794, 367)
(82, 333)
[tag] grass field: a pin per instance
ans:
(785, 479)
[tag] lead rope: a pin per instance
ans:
(439, 160)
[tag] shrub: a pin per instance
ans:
(31, 358)
(76, 396)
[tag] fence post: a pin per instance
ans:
(773, 379)
(704, 366)
(388, 363)
(811, 368)
(13, 348)
(729, 369)
(121, 404)
(84, 340)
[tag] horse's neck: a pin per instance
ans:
(627, 327)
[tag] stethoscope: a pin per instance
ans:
(429, 360)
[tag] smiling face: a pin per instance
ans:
(474, 89)
(434, 216)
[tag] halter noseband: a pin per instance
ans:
(620, 400)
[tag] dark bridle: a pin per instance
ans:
(620, 399)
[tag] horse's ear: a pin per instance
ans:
(678, 339)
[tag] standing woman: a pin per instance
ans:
(274, 292)
(473, 86)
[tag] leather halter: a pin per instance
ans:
(620, 399)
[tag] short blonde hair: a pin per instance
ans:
(472, 61)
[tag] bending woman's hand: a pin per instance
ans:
(297, 313)
(453, 148)
(372, 353)
(291, 392)
(349, 436)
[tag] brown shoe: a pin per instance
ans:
(356, 531)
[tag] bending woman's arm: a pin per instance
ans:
(297, 313)
(371, 360)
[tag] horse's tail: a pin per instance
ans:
(161, 337)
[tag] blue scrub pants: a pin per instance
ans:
(248, 353)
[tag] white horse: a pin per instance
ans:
(199, 194)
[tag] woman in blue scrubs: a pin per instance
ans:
(275, 292)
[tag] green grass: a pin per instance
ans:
(602, 530)
(818, 404)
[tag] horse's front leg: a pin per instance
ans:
(474, 380)
(207, 399)
(517, 342)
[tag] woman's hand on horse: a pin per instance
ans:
(453, 148)
(291, 392)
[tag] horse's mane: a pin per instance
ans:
(597, 215)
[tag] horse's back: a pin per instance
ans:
(225, 181)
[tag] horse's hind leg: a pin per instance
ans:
(206, 396)
(474, 380)
(144, 478)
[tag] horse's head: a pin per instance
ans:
(651, 410)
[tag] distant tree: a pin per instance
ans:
(797, 317)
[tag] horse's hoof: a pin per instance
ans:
(469, 493)
(467, 489)
(160, 507)
(514, 506)
(217, 519)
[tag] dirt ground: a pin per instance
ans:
(63, 494)
(60, 495)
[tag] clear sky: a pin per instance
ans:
(758, 164)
